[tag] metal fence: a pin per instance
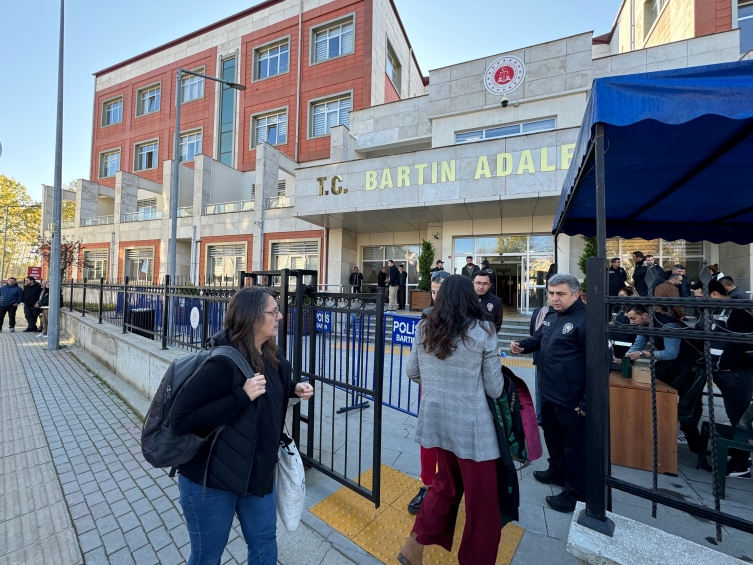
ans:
(700, 374)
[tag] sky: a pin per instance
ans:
(99, 34)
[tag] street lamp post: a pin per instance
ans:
(5, 231)
(176, 162)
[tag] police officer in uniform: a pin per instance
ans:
(492, 275)
(491, 304)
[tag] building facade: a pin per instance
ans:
(358, 159)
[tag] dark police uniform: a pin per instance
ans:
(561, 343)
(492, 306)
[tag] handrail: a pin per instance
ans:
(226, 207)
(142, 216)
(96, 221)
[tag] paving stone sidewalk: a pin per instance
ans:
(73, 471)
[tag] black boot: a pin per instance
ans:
(415, 504)
(549, 477)
(563, 502)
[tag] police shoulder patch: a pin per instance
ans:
(567, 328)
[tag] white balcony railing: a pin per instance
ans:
(225, 207)
(97, 221)
(186, 212)
(142, 216)
(281, 202)
(66, 224)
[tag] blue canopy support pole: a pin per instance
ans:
(597, 365)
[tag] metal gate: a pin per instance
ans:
(336, 343)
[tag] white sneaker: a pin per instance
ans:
(681, 439)
(40, 335)
(44, 336)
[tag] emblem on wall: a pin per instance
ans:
(504, 75)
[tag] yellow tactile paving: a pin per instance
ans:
(383, 531)
(517, 362)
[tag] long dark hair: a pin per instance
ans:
(244, 314)
(456, 310)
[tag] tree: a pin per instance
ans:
(69, 206)
(590, 250)
(71, 255)
(23, 227)
(425, 263)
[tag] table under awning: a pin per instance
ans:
(677, 154)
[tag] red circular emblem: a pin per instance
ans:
(504, 75)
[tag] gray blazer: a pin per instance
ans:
(454, 413)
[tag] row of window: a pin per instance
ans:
(271, 128)
(505, 131)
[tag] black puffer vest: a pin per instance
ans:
(232, 452)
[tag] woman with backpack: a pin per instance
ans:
(233, 472)
(455, 359)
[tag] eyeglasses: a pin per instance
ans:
(480, 283)
(439, 275)
(274, 312)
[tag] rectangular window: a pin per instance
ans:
(327, 115)
(296, 255)
(190, 146)
(95, 264)
(227, 113)
(333, 42)
(272, 61)
(272, 129)
(148, 100)
(745, 22)
(109, 164)
(225, 262)
(393, 68)
(146, 156)
(139, 264)
(506, 131)
(112, 112)
(193, 87)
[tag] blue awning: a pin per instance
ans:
(678, 156)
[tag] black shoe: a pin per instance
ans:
(28, 330)
(415, 504)
(549, 477)
(563, 502)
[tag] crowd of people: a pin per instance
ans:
(35, 299)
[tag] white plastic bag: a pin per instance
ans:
(290, 484)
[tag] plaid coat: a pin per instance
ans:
(454, 412)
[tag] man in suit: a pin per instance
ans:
(393, 283)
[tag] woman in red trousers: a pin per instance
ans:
(455, 359)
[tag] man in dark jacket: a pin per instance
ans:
(735, 292)
(382, 280)
(32, 290)
(617, 277)
(439, 267)
(470, 269)
(492, 276)
(393, 282)
(356, 280)
(683, 287)
(402, 287)
(491, 304)
(561, 342)
(639, 274)
(11, 296)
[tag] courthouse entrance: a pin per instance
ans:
(520, 264)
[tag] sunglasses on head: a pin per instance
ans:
(439, 275)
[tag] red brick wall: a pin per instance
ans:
(89, 247)
(390, 94)
(318, 234)
(139, 243)
(220, 239)
(161, 124)
(712, 16)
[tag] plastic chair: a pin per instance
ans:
(737, 437)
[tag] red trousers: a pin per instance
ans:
(435, 523)
(428, 464)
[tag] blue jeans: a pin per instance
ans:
(210, 517)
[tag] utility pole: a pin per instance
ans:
(53, 329)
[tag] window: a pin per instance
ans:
(148, 100)
(193, 87)
(146, 156)
(95, 264)
(506, 131)
(139, 264)
(651, 11)
(109, 163)
(273, 129)
(745, 22)
(190, 146)
(376, 257)
(333, 42)
(296, 255)
(330, 114)
(225, 262)
(272, 61)
(666, 253)
(393, 68)
(112, 112)
(227, 113)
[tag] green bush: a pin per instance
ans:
(425, 263)
(590, 250)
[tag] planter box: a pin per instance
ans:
(419, 300)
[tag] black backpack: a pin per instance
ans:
(160, 446)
